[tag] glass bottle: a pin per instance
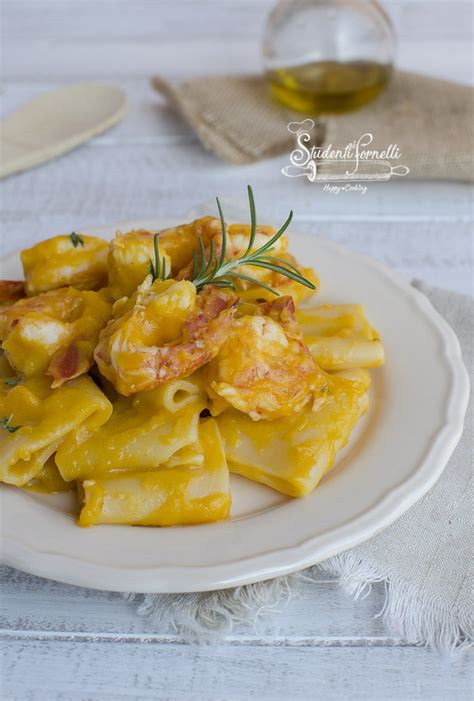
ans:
(327, 56)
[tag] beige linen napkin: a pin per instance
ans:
(425, 558)
(430, 120)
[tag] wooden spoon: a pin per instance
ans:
(57, 122)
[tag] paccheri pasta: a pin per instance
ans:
(140, 373)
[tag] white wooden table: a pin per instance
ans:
(67, 643)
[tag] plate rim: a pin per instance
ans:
(398, 499)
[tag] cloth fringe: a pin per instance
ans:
(207, 617)
(405, 612)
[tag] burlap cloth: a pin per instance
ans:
(430, 120)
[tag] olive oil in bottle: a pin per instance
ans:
(328, 87)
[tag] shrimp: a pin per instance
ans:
(280, 283)
(54, 332)
(164, 331)
(129, 261)
(180, 242)
(77, 260)
(280, 309)
(237, 241)
(265, 369)
(239, 235)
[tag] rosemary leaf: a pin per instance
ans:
(5, 424)
(253, 220)
(223, 283)
(202, 254)
(224, 236)
(255, 281)
(211, 258)
(76, 240)
(283, 263)
(269, 244)
(195, 265)
(157, 257)
(215, 270)
(157, 270)
(259, 263)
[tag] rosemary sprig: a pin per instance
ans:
(76, 240)
(5, 423)
(158, 269)
(221, 273)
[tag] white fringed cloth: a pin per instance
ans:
(424, 558)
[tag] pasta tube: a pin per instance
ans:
(49, 481)
(336, 353)
(331, 319)
(36, 419)
(138, 436)
(291, 454)
(340, 337)
(165, 496)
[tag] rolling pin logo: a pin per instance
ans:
(354, 162)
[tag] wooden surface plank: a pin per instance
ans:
(81, 39)
(131, 18)
(66, 670)
(136, 180)
(149, 121)
(109, 59)
(318, 610)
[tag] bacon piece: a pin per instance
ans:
(11, 291)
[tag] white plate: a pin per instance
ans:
(418, 401)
